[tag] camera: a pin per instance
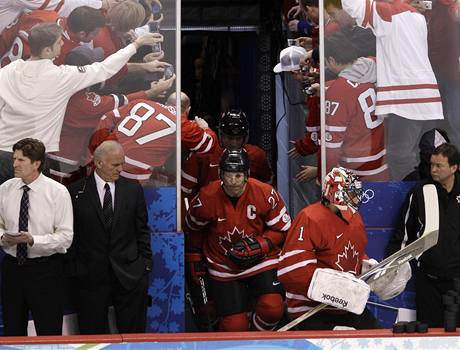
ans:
(427, 5)
(154, 27)
(156, 47)
(156, 11)
(307, 89)
(169, 72)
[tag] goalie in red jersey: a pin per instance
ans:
(238, 225)
(323, 254)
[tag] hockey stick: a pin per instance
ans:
(428, 239)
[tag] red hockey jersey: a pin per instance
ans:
(318, 238)
(215, 224)
(82, 116)
(200, 169)
(14, 41)
(355, 136)
(147, 131)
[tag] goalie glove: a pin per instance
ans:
(197, 266)
(249, 251)
(339, 289)
(391, 285)
(367, 265)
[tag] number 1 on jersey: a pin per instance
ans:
(301, 234)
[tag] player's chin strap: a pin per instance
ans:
(428, 239)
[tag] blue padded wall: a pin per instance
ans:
(381, 210)
(167, 278)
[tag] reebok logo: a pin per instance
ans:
(335, 300)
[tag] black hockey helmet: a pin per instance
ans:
(234, 123)
(236, 161)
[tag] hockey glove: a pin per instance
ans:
(197, 266)
(393, 284)
(368, 264)
(339, 289)
(249, 251)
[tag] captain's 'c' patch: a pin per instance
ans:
(81, 69)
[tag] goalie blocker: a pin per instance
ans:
(339, 289)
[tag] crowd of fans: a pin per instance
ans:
(375, 130)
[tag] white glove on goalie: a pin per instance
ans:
(367, 265)
(393, 284)
(339, 289)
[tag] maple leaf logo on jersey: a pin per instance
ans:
(348, 261)
(229, 238)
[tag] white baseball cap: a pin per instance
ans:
(290, 58)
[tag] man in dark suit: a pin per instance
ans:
(111, 253)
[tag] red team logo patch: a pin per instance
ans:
(226, 241)
(95, 99)
(348, 261)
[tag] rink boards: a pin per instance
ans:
(311, 340)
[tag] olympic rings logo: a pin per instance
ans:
(367, 196)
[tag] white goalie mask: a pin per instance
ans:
(342, 189)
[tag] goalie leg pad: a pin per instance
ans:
(339, 289)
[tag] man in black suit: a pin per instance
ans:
(111, 253)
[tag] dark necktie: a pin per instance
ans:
(21, 248)
(107, 208)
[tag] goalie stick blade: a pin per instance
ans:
(428, 239)
(431, 208)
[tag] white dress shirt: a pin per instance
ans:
(34, 95)
(101, 190)
(50, 215)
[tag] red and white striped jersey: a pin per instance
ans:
(318, 238)
(10, 10)
(14, 41)
(214, 224)
(147, 131)
(406, 85)
(82, 116)
(200, 169)
(355, 137)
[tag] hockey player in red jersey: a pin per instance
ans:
(199, 170)
(355, 136)
(147, 131)
(83, 114)
(82, 25)
(327, 236)
(238, 225)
